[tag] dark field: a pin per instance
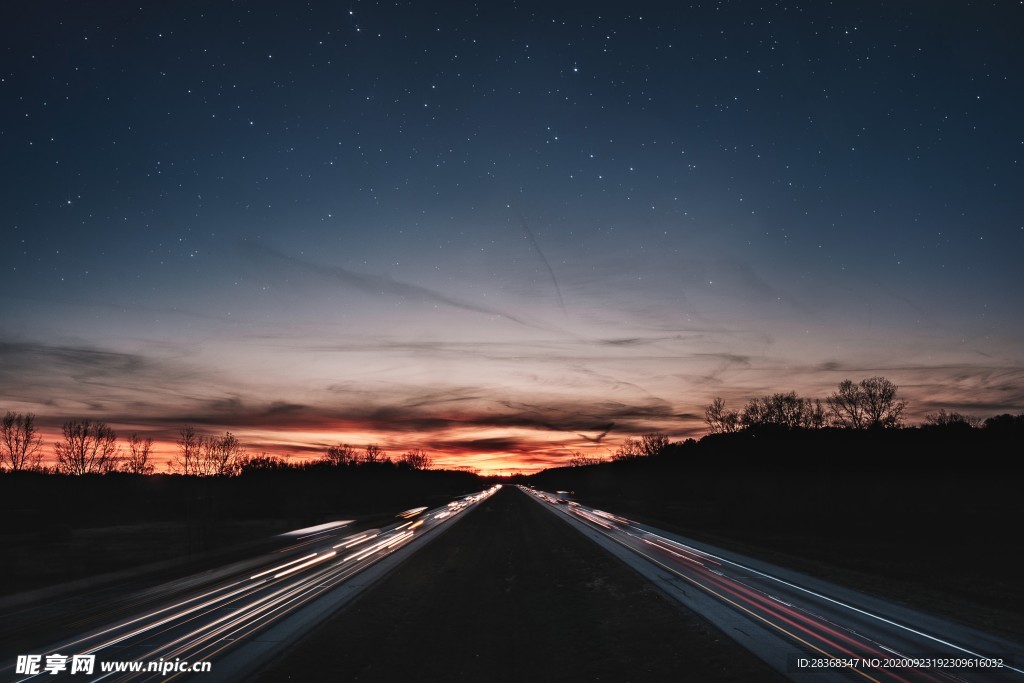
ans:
(511, 593)
(69, 554)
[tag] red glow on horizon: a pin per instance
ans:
(472, 444)
(294, 449)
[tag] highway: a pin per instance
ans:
(257, 608)
(805, 628)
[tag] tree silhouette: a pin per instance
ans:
(951, 419)
(871, 404)
(137, 460)
(883, 408)
(374, 454)
(1005, 423)
(261, 463)
(719, 419)
(416, 459)
(652, 443)
(847, 406)
(88, 447)
(207, 456)
(783, 410)
(187, 459)
(20, 442)
(629, 449)
(341, 455)
(220, 456)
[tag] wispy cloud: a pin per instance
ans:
(530, 402)
(540, 254)
(270, 259)
(83, 378)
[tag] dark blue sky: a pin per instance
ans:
(488, 230)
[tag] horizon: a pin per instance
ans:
(165, 447)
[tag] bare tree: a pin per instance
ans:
(944, 419)
(719, 419)
(220, 456)
(847, 406)
(870, 404)
(651, 443)
(654, 443)
(817, 417)
(187, 459)
(417, 459)
(341, 455)
(629, 449)
(783, 410)
(137, 460)
(374, 454)
(20, 442)
(88, 447)
(883, 409)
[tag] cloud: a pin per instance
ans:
(536, 247)
(566, 394)
(73, 377)
(432, 411)
(271, 260)
(83, 363)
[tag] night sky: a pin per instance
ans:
(504, 231)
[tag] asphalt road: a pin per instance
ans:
(807, 629)
(258, 608)
(512, 594)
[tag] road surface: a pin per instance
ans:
(512, 594)
(805, 628)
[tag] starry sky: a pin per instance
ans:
(504, 231)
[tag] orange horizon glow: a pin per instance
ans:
(295, 450)
(451, 448)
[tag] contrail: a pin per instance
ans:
(381, 284)
(536, 248)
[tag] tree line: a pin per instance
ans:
(91, 447)
(869, 405)
(872, 403)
